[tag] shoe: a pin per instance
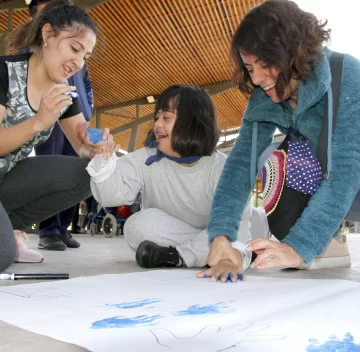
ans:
(150, 255)
(52, 243)
(23, 253)
(70, 241)
(336, 255)
(77, 229)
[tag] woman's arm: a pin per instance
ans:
(234, 186)
(69, 127)
(331, 202)
(15, 136)
(51, 103)
(75, 128)
(117, 182)
(232, 194)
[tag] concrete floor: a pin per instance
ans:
(99, 255)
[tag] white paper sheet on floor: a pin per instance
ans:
(171, 310)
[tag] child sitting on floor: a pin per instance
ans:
(177, 172)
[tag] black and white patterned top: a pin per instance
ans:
(13, 96)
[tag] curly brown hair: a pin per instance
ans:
(282, 35)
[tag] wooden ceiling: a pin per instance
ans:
(146, 45)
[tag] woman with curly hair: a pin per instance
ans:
(282, 64)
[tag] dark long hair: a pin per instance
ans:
(195, 132)
(34, 4)
(282, 35)
(60, 14)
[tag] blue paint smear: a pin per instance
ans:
(197, 309)
(120, 322)
(134, 304)
(334, 345)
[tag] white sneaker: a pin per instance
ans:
(336, 255)
(23, 253)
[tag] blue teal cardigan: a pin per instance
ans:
(329, 205)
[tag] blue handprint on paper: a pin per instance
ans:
(197, 309)
(124, 322)
(334, 344)
(134, 304)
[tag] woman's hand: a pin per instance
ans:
(271, 254)
(106, 148)
(221, 249)
(224, 269)
(51, 103)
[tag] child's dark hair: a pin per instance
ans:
(195, 132)
(60, 14)
(282, 35)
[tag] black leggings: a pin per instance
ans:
(41, 186)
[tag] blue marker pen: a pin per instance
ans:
(73, 95)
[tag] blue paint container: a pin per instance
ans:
(96, 135)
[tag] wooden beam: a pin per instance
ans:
(97, 118)
(217, 88)
(211, 89)
(133, 124)
(131, 146)
(123, 105)
(132, 118)
(13, 4)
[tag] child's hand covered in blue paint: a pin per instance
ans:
(95, 134)
(225, 271)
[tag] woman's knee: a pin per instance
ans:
(80, 179)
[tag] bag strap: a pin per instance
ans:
(253, 152)
(332, 105)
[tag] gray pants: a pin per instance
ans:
(192, 244)
(39, 187)
(7, 241)
(158, 226)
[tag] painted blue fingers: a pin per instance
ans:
(228, 279)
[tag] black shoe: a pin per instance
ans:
(77, 229)
(70, 241)
(150, 255)
(52, 243)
